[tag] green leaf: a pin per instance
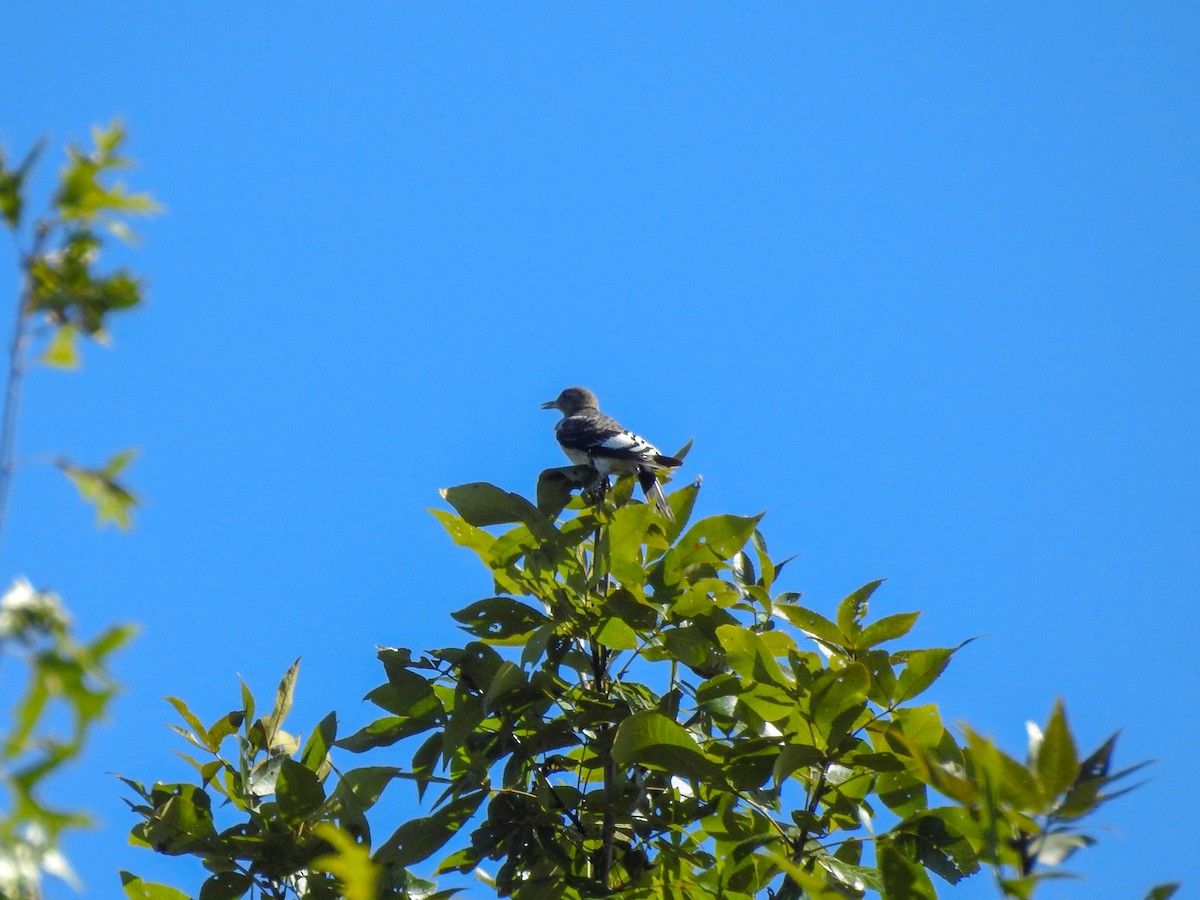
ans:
(380, 733)
(500, 620)
(193, 722)
(283, 702)
(247, 702)
(934, 839)
(113, 501)
(225, 726)
(1010, 782)
(903, 878)
(626, 534)
(691, 646)
(794, 757)
(722, 535)
(682, 502)
(62, 351)
(350, 863)
(614, 633)
(137, 889)
(412, 698)
(12, 182)
(508, 678)
(813, 624)
(111, 639)
(554, 487)
(901, 792)
(886, 629)
(1084, 796)
(226, 886)
(857, 878)
(921, 669)
(836, 699)
(361, 787)
(814, 886)
(651, 739)
(1057, 759)
(466, 535)
(316, 749)
(482, 504)
(853, 609)
(418, 839)
(181, 822)
(298, 791)
(750, 656)
(1163, 891)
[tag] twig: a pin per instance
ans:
(15, 376)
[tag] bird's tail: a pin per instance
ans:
(654, 493)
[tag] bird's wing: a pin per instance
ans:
(601, 436)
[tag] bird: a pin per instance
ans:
(590, 438)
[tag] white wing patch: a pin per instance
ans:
(628, 441)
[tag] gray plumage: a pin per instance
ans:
(589, 437)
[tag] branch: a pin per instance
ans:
(16, 371)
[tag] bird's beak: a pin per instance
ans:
(550, 404)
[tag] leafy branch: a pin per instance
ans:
(68, 685)
(64, 293)
(640, 712)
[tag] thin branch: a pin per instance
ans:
(16, 371)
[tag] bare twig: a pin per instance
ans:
(14, 379)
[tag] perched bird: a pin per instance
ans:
(590, 438)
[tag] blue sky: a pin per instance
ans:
(920, 280)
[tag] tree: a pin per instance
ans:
(64, 295)
(639, 712)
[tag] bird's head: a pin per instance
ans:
(572, 400)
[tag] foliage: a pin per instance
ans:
(65, 293)
(67, 683)
(63, 674)
(639, 712)
(299, 826)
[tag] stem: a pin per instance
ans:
(818, 790)
(601, 657)
(15, 376)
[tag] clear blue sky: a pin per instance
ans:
(920, 280)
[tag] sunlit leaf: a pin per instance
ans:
(615, 634)
(853, 609)
(749, 655)
(886, 629)
(284, 695)
(1057, 759)
(320, 741)
(113, 501)
(722, 536)
(813, 624)
(62, 351)
(350, 863)
(652, 739)
(137, 889)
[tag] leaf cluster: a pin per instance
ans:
(67, 684)
(68, 687)
(66, 292)
(639, 711)
(291, 824)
